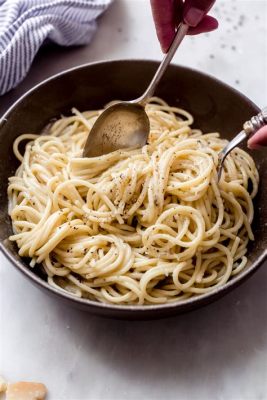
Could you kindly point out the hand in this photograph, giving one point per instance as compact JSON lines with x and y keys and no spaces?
{"x":168,"y":14}
{"x":258,"y":140}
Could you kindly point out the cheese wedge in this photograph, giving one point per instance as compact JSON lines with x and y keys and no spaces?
{"x":25,"y":391}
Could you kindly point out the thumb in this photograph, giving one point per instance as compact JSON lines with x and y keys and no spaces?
{"x":195,"y":11}
{"x":259,"y":139}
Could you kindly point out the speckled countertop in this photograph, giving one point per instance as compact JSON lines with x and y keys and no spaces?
{"x":218,"y":352}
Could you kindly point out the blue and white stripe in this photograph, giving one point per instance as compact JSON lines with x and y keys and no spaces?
{"x":26,"y":24}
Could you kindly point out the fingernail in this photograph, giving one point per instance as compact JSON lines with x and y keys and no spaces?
{"x":194,"y":16}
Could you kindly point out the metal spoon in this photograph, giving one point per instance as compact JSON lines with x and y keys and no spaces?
{"x":249,"y":128}
{"x":126,"y":124}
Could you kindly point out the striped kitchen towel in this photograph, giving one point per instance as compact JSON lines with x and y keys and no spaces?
{"x":26,"y":24}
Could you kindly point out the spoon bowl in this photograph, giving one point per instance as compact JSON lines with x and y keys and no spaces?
{"x":125,"y":124}
{"x":121,"y":125}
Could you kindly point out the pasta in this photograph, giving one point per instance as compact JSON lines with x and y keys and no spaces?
{"x":136,"y":226}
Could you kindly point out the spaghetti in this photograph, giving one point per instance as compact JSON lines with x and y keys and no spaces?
{"x":136,"y":226}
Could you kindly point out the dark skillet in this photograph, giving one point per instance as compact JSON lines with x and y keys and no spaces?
{"x":215,"y":106}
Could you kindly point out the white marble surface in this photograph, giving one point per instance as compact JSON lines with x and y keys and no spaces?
{"x":218,"y":352}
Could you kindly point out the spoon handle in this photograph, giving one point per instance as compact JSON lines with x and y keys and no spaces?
{"x":180,"y":34}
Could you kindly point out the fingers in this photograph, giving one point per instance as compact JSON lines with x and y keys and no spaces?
{"x":195,"y":10}
{"x":164,"y":13}
{"x":258,"y":140}
{"x":178,"y":10}
{"x":167,"y":15}
{"x":207,"y":24}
